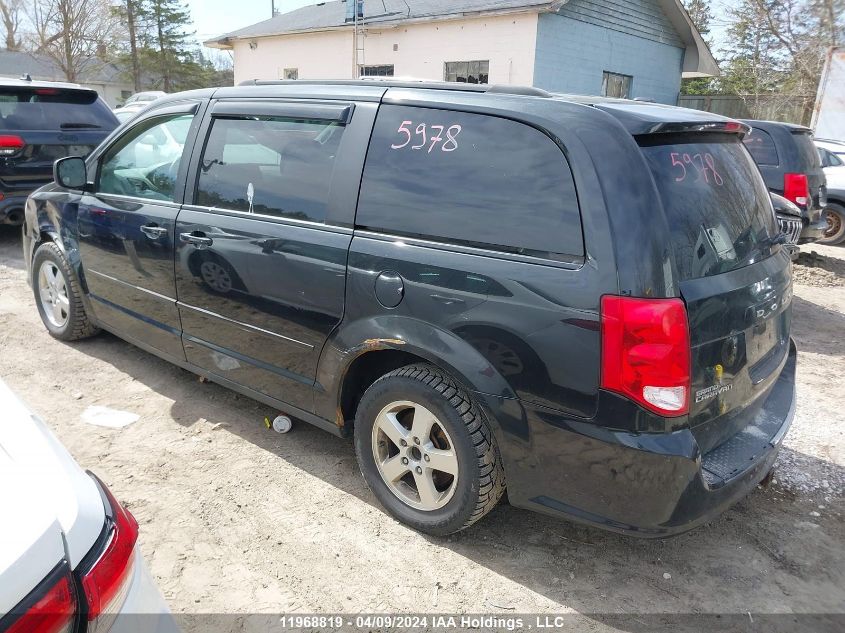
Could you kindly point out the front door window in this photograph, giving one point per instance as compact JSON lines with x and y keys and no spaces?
{"x":145,"y":163}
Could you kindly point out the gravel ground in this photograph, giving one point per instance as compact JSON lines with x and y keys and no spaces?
{"x":238,"y":519}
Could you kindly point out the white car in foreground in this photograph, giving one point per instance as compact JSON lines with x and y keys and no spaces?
{"x":68,"y":555}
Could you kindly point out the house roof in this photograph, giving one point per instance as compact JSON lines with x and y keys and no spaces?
{"x":698,"y":60}
{"x":17,"y":63}
{"x":328,"y":15}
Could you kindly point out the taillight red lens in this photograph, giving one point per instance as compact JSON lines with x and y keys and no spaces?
{"x":796,"y":188}
{"x":53,"y":613}
{"x":646,"y":352}
{"x":106,"y":582}
{"x":10,"y":144}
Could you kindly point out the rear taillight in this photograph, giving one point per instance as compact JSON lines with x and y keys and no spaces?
{"x":54,"y":611}
{"x":796,"y":188}
{"x":10,"y":144}
{"x":106,"y":582}
{"x":646,"y":352}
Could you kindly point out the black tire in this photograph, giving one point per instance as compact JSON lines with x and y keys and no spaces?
{"x":836,"y":223}
{"x":480,"y":481}
{"x":77,"y":325}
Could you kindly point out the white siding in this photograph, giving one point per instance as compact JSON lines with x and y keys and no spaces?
{"x":508,"y":41}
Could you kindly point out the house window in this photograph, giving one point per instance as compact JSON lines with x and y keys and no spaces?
{"x":125,"y":94}
{"x":290,"y":73}
{"x":383,"y":70}
{"x":474,"y":72}
{"x":616,"y":85}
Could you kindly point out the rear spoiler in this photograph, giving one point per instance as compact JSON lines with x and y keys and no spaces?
{"x":647,"y":118}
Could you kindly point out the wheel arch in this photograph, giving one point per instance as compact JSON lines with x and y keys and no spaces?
{"x":362,"y":352}
{"x":51,"y":216}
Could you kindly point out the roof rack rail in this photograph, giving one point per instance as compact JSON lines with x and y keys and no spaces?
{"x":529,"y":91}
{"x":375,"y":82}
{"x":388,"y":82}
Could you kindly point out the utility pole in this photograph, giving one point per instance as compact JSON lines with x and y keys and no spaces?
{"x":272,"y":8}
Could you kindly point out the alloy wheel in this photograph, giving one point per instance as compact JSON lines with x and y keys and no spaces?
{"x":414,"y":455}
{"x":52,"y":291}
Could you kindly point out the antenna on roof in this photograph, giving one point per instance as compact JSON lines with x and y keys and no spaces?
{"x":26,"y":77}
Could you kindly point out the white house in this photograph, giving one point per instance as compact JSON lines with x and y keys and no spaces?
{"x":627,"y":48}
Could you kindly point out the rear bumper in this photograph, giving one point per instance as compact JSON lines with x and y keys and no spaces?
{"x":643,"y":484}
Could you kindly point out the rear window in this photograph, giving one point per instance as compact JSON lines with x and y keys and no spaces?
{"x":469,"y":179}
{"x":762,"y":147}
{"x":53,"y":109}
{"x":717,"y":205}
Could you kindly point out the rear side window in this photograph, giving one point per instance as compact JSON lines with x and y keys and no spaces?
{"x":469,"y":179}
{"x":716,"y":203}
{"x":762,"y":147}
{"x":807,"y":153}
{"x":53,"y":109}
{"x":269,"y":165}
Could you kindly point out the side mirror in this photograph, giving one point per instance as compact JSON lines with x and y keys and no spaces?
{"x":70,"y":172}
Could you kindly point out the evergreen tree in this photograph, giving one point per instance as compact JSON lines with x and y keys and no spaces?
{"x":169,"y":52}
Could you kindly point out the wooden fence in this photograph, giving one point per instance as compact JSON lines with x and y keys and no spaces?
{"x":787,"y":108}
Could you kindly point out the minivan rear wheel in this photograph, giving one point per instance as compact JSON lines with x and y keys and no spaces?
{"x":426,"y":451}
{"x":835,"y":216}
{"x":58,"y":295}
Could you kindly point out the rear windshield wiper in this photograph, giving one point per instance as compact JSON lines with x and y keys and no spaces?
{"x":780,"y":238}
{"x":79,"y":126}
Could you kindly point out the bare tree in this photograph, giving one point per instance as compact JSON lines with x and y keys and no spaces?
{"x":72,"y":32}
{"x":11,"y":12}
{"x":803,"y":29}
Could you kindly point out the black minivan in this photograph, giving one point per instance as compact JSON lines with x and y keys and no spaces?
{"x":585,"y":302}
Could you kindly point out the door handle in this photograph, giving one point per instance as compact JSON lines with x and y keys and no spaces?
{"x":196,"y":238}
{"x":153,"y":231}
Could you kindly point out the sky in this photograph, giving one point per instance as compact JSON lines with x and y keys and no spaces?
{"x":215,"y":17}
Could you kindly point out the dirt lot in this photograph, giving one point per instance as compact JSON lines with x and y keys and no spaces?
{"x":235,"y":518}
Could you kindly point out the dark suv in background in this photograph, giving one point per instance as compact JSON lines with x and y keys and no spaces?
{"x":789,"y":162}
{"x":586,"y":302}
{"x":40,"y":122}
